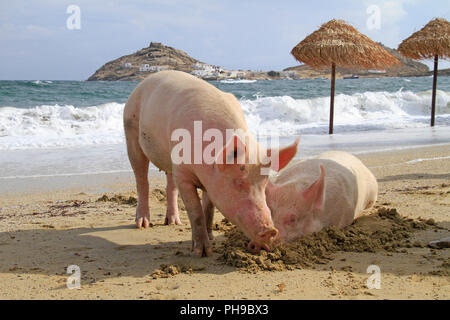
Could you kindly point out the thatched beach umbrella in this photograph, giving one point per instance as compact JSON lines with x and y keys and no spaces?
{"x":432,"y":41}
{"x":339,"y":44}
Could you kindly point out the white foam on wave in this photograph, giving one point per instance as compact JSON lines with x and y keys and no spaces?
{"x":284,"y":115}
{"x":427,"y":159}
{"x":41,"y":82}
{"x":232,"y":81}
{"x":59,"y":126}
{"x":62,"y":126}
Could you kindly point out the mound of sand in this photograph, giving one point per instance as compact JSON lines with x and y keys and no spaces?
{"x":156,"y":195}
{"x":119,"y":199}
{"x":383,"y":230}
{"x":170,"y":270}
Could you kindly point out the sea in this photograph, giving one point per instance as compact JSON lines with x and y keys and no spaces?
{"x":52,"y":128}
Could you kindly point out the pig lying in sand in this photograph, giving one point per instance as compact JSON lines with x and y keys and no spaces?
{"x":173,"y":100}
{"x":332,"y":189}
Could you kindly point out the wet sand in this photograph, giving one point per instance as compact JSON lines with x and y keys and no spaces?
{"x":49,"y":223}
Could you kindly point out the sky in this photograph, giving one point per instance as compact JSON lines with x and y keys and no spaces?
{"x":36,"y":44}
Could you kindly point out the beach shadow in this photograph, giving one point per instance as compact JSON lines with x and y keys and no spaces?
{"x":50,"y":251}
{"x":416,"y":176}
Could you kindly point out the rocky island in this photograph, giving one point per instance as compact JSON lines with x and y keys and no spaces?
{"x":408,"y":68}
{"x":157,"y":57}
{"x":138,"y":65}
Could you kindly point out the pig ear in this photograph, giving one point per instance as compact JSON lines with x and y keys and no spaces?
{"x":314,"y":195}
{"x":232,"y":153}
{"x":284,"y":156}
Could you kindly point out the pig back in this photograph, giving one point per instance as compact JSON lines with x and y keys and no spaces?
{"x":171,"y":100}
{"x":365,"y":182}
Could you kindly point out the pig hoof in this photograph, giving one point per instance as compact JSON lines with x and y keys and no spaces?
{"x":203,"y":250}
{"x":142,"y":222}
{"x":173,"y":220}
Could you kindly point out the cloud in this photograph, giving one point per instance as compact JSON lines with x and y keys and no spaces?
{"x":233,"y":33}
{"x":12,"y":32}
{"x":36,"y":30}
{"x":392,"y":12}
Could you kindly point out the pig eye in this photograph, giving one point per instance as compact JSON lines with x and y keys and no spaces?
{"x":240,"y":184}
{"x":232,"y":157}
{"x":292,"y":218}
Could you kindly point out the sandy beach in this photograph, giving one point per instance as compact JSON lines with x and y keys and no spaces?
{"x":49,"y":223}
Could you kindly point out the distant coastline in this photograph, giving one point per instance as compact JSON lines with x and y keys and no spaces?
{"x":157,"y":57}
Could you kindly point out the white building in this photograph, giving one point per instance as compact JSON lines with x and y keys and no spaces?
{"x":147,"y":67}
{"x":158,"y":68}
{"x":128,"y":65}
{"x":377,"y":71}
{"x":144,"y":67}
{"x":203,"y":70}
{"x":288,"y":74}
{"x":218,"y":69}
{"x":202,"y":66}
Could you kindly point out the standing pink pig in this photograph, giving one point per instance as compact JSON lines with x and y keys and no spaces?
{"x":331,"y":189}
{"x":171,"y":100}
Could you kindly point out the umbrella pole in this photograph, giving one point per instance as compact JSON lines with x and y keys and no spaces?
{"x":433,"y":101}
{"x":333,"y":80}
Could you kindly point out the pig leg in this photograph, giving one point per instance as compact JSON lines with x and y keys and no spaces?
{"x":208,"y":211}
{"x":200,"y":241}
{"x":172,"y":216}
{"x":139,"y":163}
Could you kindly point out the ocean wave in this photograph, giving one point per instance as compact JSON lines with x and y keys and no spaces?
{"x":284,"y":115}
{"x":41,"y":82}
{"x":65,"y":125}
{"x":59,"y":126}
{"x":233,"y":81}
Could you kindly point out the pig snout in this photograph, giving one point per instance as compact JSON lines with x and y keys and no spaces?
{"x":267,"y":235}
{"x":262,"y":240}
{"x":255,"y":247}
